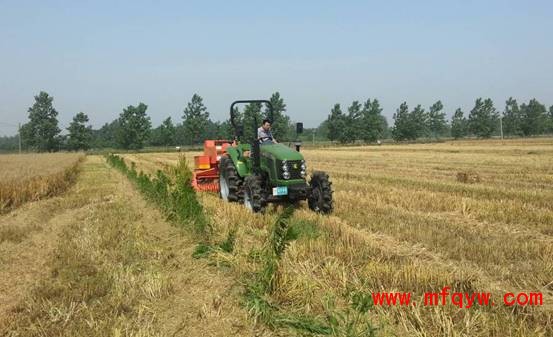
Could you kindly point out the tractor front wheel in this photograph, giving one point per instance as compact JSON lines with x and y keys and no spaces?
{"x":320,"y":198}
{"x":230,"y":184}
{"x":254,"y":198}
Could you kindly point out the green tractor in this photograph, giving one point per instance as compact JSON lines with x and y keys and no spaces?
{"x":257,"y":174}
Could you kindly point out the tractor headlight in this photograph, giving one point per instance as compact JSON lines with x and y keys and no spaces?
{"x":303,"y":166}
{"x":285,"y":166}
{"x":286,"y":175}
{"x":302,"y":173}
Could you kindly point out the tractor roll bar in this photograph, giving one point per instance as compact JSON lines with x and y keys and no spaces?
{"x":248,"y":101}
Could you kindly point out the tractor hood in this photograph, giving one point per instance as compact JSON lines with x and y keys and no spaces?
{"x":280,"y":152}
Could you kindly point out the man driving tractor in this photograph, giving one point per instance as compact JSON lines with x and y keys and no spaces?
{"x":256,"y":170}
{"x":264,"y":134}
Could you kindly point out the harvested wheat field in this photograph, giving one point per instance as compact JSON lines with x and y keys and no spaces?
{"x":476,"y":216}
{"x":101,"y":261}
{"x":122,"y":253}
{"x":30,"y":177}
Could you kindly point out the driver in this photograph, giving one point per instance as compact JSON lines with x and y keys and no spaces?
{"x":264,"y":134}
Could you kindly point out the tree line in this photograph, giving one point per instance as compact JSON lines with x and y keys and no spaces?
{"x":360,"y":122}
{"x":133,"y":128}
{"x":366,"y":123}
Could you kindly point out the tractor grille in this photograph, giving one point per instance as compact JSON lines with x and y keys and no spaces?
{"x":294,"y":169}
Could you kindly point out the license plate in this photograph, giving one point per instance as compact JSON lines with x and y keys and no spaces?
{"x":280,"y":190}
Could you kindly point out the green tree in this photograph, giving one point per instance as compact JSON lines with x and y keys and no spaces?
{"x":403,"y":128}
{"x":9,"y":143}
{"x":458,"y":125}
{"x":353,"y":126}
{"x":27,"y":133}
{"x":512,"y":118}
{"x":165,"y":134}
{"x":483,"y":118}
{"x":195,"y":121}
{"x":373,"y":124}
{"x":534,"y":118}
{"x":550,"y":120}
{"x":180,"y":137}
{"x":42,"y":131}
{"x":321,"y":132}
{"x":225,"y":130}
{"x":419,"y":122}
{"x":281,"y":126}
{"x":436,"y":119}
{"x":133,"y":127}
{"x":106,"y":136}
{"x":251,"y":119}
{"x":80,"y":134}
{"x":336,"y":123}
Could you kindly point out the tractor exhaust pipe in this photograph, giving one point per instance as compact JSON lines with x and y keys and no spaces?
{"x":299,"y":130}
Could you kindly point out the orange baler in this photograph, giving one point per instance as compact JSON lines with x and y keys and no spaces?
{"x":206,"y":166}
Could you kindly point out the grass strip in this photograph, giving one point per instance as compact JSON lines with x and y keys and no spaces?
{"x":175,"y":197}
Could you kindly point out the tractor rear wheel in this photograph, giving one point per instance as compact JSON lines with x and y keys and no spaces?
{"x":254,"y":197}
{"x":320,"y":198}
{"x":230,"y":184}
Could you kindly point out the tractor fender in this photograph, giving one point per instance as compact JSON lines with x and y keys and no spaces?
{"x":240,"y":165}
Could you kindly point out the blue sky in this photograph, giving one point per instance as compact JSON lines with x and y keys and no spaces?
{"x":100,"y":56}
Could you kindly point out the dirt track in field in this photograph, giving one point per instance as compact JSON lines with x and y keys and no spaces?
{"x":30,"y":235}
